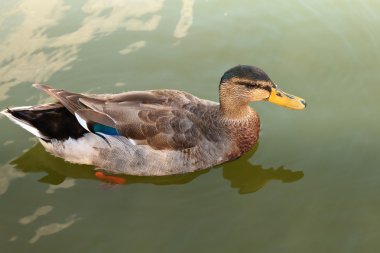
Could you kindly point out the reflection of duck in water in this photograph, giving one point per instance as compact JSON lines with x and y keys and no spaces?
{"x":248,"y":178}
{"x":154,"y":133}
{"x":242,"y":175}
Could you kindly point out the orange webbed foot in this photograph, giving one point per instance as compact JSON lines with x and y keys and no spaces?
{"x":109,"y":179}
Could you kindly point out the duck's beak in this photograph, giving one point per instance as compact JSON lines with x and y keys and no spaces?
{"x":279,"y":97}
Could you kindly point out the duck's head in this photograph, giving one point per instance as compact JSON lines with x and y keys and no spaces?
{"x":243,"y":84}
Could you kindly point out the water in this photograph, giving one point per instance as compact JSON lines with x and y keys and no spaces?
{"x":311,"y":185}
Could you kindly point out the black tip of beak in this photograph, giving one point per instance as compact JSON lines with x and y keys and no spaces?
{"x":303,"y":102}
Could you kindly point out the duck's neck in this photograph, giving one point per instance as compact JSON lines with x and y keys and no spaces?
{"x":236,"y":113}
{"x":233,"y":109}
{"x":242,"y":124}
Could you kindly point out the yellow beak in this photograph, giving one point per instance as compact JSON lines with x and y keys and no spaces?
{"x":279,"y":97}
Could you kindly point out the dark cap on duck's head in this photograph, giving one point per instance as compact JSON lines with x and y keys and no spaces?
{"x":245,"y":72}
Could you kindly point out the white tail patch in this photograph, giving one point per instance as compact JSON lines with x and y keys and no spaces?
{"x":23,"y":123}
{"x":82,"y":150}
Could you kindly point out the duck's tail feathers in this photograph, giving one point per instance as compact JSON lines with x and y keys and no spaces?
{"x":19,"y":115}
{"x":46,"y":121}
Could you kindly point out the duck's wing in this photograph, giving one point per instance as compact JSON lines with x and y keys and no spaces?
{"x":163,"y":119}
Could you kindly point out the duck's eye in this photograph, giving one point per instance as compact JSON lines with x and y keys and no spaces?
{"x":249,"y":86}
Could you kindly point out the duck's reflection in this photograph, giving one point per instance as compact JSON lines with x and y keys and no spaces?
{"x":247,"y":178}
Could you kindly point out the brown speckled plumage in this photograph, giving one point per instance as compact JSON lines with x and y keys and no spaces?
{"x":157,"y":132}
{"x":245,"y":134}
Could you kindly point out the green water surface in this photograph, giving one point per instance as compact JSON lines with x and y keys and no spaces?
{"x":312,"y":183}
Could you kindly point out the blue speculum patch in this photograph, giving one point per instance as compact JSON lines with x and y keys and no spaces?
{"x":99,"y":128}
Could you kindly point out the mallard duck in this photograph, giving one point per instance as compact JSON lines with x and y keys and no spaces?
{"x":155,"y":132}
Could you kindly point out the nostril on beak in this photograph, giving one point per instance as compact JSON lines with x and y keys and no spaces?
{"x":303,"y":102}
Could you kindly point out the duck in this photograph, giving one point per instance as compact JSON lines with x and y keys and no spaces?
{"x":154,"y":132}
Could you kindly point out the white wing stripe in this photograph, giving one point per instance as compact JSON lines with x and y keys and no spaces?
{"x":82,"y":122}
